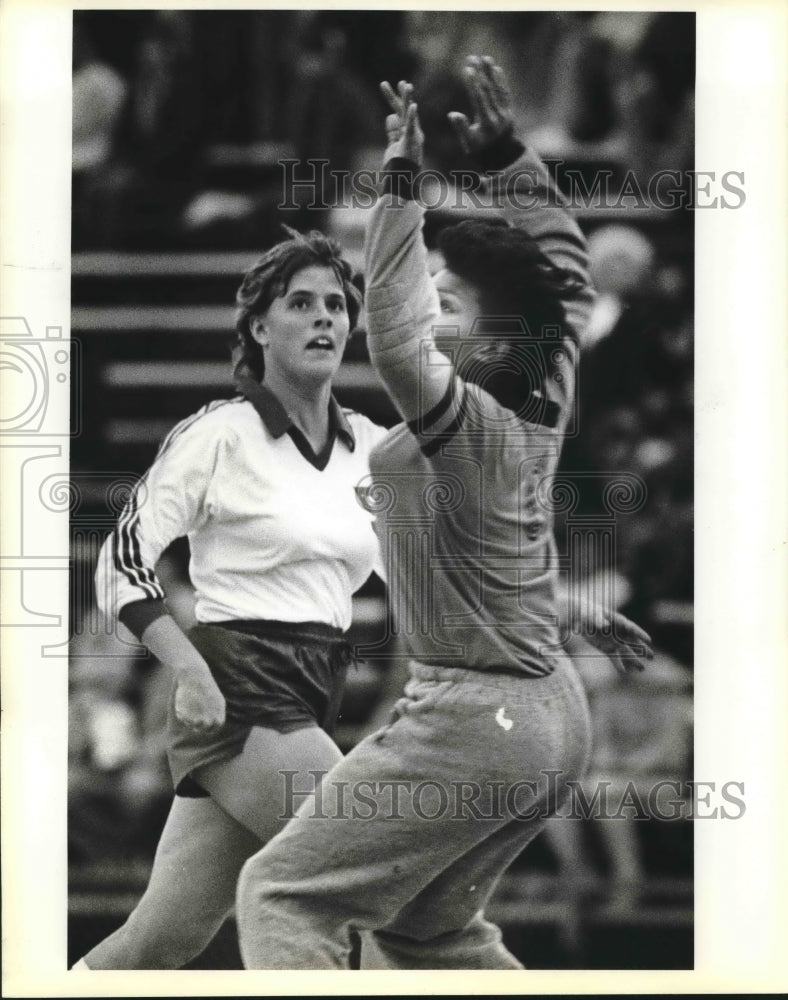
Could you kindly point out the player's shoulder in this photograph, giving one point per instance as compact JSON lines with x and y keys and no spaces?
{"x":366,"y":432}
{"x":211,"y":422}
{"x":397,"y":449}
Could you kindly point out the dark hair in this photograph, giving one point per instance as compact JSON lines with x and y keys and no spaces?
{"x":270,"y":277}
{"x":515,"y":281}
{"x":510,"y":272}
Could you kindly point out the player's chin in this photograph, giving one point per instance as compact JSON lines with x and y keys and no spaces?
{"x":321,"y":366}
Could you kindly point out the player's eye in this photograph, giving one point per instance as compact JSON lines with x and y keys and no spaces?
{"x":336,"y":304}
{"x":446,"y":306}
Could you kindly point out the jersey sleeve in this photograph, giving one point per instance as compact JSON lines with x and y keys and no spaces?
{"x":171,"y":500}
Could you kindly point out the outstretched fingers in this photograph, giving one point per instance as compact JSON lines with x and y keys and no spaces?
{"x":400,"y":99}
{"x":483,"y":86}
{"x":405,"y":90}
{"x":633,"y":635}
{"x":392,"y":99}
{"x":499,"y":84}
{"x":462,"y":129}
{"x":490,"y":99}
{"x":403,"y":130}
{"x":471,"y":75}
{"x":626,"y":644}
{"x":499,"y":88}
{"x":393,"y":127}
{"x":411,"y":120}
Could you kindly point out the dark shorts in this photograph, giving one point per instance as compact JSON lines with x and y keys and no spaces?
{"x":280,"y":675}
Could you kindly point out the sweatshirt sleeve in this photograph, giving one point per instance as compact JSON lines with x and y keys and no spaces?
{"x":171,"y":500}
{"x":518,"y":183}
{"x":402,"y":306}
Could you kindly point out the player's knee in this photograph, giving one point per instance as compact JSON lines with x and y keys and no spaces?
{"x":264,"y":898}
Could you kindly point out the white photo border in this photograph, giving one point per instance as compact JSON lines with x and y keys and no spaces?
{"x":741,"y":685}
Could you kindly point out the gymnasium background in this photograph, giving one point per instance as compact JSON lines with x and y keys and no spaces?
{"x":181,"y":121}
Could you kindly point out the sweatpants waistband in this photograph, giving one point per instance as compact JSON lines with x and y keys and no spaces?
{"x":556,"y":678}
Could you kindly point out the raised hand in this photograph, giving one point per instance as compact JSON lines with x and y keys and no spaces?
{"x":491,"y":101}
{"x":624,"y":642}
{"x":403,"y":131}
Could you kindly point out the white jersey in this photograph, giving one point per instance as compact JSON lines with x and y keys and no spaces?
{"x":275,"y":532}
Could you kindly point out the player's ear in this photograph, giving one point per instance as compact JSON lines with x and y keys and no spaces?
{"x":258,"y":330}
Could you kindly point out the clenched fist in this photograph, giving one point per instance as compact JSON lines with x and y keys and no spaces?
{"x":199,"y":703}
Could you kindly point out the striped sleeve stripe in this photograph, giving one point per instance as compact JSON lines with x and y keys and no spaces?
{"x":436,"y":441}
{"x":127,"y":553}
{"x":146,"y":572}
{"x":422,"y":423}
{"x":127,"y":550}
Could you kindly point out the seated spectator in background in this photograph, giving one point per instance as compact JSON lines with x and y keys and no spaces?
{"x":333,"y":110}
{"x":621,"y":262}
{"x":634,"y":74}
{"x":152,"y":171}
{"x":635,"y":408}
{"x":98,"y":94}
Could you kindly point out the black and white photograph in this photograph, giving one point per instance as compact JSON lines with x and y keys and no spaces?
{"x":371,"y":438}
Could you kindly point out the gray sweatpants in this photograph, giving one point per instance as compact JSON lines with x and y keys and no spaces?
{"x":409,"y":834}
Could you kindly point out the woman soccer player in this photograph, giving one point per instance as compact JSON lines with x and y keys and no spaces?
{"x":420,"y":820}
{"x":264,"y":487}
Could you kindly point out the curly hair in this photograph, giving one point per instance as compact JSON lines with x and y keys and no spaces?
{"x":510,"y":272}
{"x":270,"y":277}
{"x":516,"y":282}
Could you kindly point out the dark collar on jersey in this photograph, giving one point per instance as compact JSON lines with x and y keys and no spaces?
{"x":278,"y":421}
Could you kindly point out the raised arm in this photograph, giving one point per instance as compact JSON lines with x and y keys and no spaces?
{"x":402,"y":305}
{"x":401,"y":301}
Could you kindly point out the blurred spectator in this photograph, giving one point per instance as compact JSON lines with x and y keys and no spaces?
{"x":135,"y":195}
{"x":119,"y":788}
{"x":98,"y":92}
{"x":333,"y":109}
{"x":642,"y":734}
{"x":634,"y":75}
{"x":621,"y":261}
{"x":635,"y":410}
{"x":119,"y":781}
